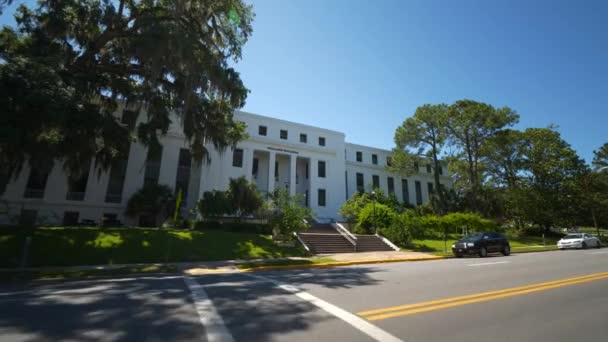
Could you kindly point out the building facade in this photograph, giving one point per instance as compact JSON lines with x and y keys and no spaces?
{"x":314,"y":162}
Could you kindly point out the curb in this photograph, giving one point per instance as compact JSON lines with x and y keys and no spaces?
{"x":335,"y":264}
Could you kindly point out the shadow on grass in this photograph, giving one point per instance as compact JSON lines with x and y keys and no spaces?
{"x":105,"y":246}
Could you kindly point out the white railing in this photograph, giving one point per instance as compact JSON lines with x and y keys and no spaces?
{"x":346,"y":234}
{"x":302,"y":242}
{"x":388,"y":242}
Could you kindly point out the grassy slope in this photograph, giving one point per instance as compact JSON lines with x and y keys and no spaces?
{"x":95,"y":246}
{"x":518,"y":244}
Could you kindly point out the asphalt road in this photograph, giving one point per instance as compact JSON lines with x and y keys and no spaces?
{"x":551,"y":296}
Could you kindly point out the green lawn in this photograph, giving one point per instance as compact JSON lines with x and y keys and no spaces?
{"x":518,"y":244}
{"x":59,"y":246}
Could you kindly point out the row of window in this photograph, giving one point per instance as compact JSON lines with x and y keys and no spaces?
{"x":77,"y":185}
{"x":360,"y":179}
{"x":359,"y":158}
{"x":284,"y":134}
{"x":237,"y":161}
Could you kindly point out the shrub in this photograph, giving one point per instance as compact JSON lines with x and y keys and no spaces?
{"x":243,"y":197}
{"x":214,"y":204}
{"x":400,"y":229}
{"x":289,"y":216}
{"x":378,"y":215}
{"x":153,"y":199}
{"x":240,"y":227}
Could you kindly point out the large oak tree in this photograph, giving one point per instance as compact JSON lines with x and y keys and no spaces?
{"x":70,"y":65}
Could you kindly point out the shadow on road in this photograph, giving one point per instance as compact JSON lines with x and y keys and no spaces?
{"x":99,"y":310}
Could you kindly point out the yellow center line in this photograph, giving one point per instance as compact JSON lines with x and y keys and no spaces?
{"x":409,"y":309}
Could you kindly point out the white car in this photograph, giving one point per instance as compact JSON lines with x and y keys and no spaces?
{"x":578,"y":240}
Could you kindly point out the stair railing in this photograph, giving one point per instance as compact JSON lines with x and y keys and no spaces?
{"x":346,"y":234}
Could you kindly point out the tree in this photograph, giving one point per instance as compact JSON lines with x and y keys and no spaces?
{"x":421,"y":137}
{"x":470,"y":125}
{"x":152,"y":200}
{"x":552,"y":176}
{"x":80,"y":80}
{"x":243,"y":196}
{"x":289,"y":215}
{"x":600,"y":158}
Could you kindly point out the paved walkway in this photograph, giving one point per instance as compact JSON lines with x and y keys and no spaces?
{"x":373,"y":256}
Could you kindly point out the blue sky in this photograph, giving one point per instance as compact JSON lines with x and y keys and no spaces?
{"x":362,"y":67}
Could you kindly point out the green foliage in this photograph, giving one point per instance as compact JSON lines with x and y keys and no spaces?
{"x":351,"y":209}
{"x":155,"y":200}
{"x":402,"y":229}
{"x":289,"y":216}
{"x":244,"y":197}
{"x":374,"y":216}
{"x":420,"y":140}
{"x":600,"y":157}
{"x":214,"y":204}
{"x":240,"y":227}
{"x":70,"y":66}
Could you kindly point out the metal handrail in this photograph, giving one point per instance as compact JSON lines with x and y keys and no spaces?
{"x":346,"y":234}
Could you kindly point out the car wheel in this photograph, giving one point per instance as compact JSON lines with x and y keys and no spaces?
{"x":483,"y":252}
{"x":506,"y":250}
{"x":458,"y":255}
{"x":584,"y":245}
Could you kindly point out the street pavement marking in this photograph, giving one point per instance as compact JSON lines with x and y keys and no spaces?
{"x":211,"y":320}
{"x":355,"y":321}
{"x":490,"y":263}
{"x":409,"y":309}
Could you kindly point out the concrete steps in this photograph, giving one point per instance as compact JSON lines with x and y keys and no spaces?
{"x":324,"y":239}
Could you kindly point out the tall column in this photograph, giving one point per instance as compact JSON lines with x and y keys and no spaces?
{"x":271,"y":161}
{"x":292,"y":174}
{"x":136,"y":168}
{"x":169,"y":160}
{"x":313,"y":184}
{"x":248,"y":163}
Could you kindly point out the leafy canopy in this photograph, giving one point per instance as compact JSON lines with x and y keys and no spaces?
{"x":71,"y":68}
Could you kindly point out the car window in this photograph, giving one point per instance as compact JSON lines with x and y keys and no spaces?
{"x":574,"y":236}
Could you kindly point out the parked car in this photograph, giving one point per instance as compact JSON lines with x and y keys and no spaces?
{"x":579,"y":240}
{"x":481,"y":244}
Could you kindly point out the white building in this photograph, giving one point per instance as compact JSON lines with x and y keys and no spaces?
{"x":315,"y":162}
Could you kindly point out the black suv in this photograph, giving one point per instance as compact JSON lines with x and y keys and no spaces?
{"x":482,"y":244}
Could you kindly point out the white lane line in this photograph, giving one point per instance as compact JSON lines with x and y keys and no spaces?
{"x":213,"y":323}
{"x":354,"y":320}
{"x":489,"y":263}
{"x":604,"y":252}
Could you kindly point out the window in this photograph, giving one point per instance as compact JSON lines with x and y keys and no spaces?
{"x":375,"y":181}
{"x":254,"y":168}
{"x":359,"y":156}
{"x":153,"y":166}
{"x":283,"y":134}
{"x":321,"y":169}
{"x":389,"y":161}
{"x":117,"y":181}
{"x":321,"y":198}
{"x":36,"y":181}
{"x":360,"y":182}
{"x":237,"y":158}
{"x":430,"y":187}
{"x":391,"y":185}
{"x":70,"y":218}
{"x":321,"y":141}
{"x":440,"y":170}
{"x":405,"y":191}
{"x":276,"y":169}
{"x":262,"y":130}
{"x":182,"y":179}
{"x":418,"y":193}
{"x":77,"y":184}
{"x":428,"y":168}
{"x":306,"y":170}
{"x":303,"y":138}
{"x":375,"y":159}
